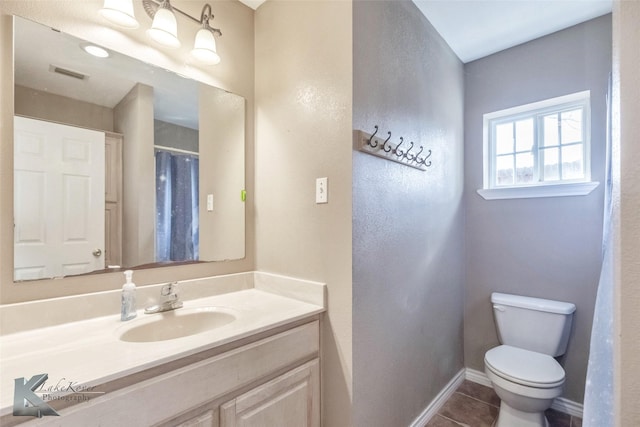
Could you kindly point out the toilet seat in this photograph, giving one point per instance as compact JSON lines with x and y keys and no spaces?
{"x":524,"y":367}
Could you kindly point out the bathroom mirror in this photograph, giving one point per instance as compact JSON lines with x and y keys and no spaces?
{"x":172,"y":167}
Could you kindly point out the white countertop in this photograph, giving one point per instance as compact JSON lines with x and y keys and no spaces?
{"x":89,"y":352}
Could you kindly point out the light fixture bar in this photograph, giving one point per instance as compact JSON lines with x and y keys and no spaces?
{"x":164,"y":26}
{"x":151,"y":6}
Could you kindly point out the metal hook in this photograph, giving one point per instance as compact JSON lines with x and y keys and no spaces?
{"x":384,"y":145}
{"x":397,"y":150}
{"x":370,"y":142}
{"x":424,"y":160}
{"x":407,"y":154}
{"x":416,"y":158}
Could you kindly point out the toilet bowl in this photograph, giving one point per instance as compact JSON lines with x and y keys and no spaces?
{"x":523,"y":370}
{"x":526,"y":383}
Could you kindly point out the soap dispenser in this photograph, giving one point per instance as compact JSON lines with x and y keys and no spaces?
{"x":128,"y":308}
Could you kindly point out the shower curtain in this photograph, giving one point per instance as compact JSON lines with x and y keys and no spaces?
{"x":599,"y":391}
{"x":177,"y":236}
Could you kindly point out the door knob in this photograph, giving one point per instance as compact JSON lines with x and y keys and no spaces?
{"x":97,"y":252}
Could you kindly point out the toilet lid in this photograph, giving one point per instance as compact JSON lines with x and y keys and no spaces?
{"x":524,"y":367}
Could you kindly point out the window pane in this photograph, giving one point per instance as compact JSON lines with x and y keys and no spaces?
{"x":524,"y":135}
{"x":524,"y":168}
{"x":504,"y":138}
{"x":549,"y":159}
{"x":571,"y":126}
{"x":550,"y":133}
{"x":573,"y":162}
{"x":504,"y":170}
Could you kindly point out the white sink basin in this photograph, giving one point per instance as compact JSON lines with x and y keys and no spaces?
{"x":174,"y":324}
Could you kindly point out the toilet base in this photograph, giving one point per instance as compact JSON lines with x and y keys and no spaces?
{"x":510,"y":417}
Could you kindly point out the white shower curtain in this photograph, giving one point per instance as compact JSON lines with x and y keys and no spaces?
{"x":598,"y":401}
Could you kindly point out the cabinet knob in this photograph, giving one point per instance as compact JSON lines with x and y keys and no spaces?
{"x":97,"y":252}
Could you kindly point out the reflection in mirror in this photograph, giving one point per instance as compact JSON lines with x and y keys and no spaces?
{"x":119,"y":163}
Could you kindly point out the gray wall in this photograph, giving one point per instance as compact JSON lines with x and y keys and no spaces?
{"x":174,"y":136}
{"x":408,"y":247}
{"x":545,"y":247}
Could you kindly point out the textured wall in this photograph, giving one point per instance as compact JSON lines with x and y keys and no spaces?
{"x":133,"y":117}
{"x":43,"y":105}
{"x":408,"y":243}
{"x":545,"y":247}
{"x":303,"y":131}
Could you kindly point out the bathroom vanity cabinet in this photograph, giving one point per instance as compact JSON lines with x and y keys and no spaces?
{"x":272,"y":381}
{"x":291,"y":399}
{"x":260,"y":369}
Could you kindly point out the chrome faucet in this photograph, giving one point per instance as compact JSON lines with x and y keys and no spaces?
{"x":169,"y":292}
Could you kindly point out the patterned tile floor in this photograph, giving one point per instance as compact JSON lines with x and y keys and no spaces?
{"x":474,"y":405}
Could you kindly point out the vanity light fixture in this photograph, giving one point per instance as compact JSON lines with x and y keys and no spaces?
{"x":204,"y":47}
{"x":120,"y":12}
{"x":164,"y":27}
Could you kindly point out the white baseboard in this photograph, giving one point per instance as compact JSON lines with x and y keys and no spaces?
{"x":437,"y":403}
{"x":560,"y":404}
{"x":477,"y":377}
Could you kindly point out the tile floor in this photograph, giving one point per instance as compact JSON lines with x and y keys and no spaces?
{"x":474,"y":405}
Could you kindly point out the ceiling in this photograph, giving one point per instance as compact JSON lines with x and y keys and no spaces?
{"x":477,"y":28}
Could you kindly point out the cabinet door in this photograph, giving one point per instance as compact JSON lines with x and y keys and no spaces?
{"x":290,"y":400}
{"x":206,"y":419}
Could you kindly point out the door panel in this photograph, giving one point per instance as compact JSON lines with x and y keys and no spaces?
{"x":58,"y":199}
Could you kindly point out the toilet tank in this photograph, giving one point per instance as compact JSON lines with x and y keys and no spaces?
{"x":534,"y":324}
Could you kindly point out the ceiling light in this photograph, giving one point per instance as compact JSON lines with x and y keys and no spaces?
{"x":164,"y":28}
{"x":119,"y":12}
{"x":94,"y":50}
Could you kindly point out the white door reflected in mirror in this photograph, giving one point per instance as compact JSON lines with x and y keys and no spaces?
{"x":59,"y":225}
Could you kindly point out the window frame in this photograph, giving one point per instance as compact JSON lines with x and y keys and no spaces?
{"x":537,"y":111}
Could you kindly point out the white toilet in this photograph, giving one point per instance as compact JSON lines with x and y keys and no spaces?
{"x":523,"y":370}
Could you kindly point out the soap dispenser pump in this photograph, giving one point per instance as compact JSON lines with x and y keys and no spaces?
{"x":128,"y":308}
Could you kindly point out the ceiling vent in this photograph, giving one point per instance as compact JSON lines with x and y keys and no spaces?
{"x":67,"y":72}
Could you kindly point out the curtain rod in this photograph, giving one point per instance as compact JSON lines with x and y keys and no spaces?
{"x":177,"y":150}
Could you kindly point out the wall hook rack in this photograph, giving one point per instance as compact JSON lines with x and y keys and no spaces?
{"x":400,"y":152}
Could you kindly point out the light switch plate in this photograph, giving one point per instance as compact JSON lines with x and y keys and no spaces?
{"x":322,"y":190}
{"x":209,"y":202}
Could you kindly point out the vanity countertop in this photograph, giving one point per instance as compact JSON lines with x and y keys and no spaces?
{"x":89,"y":352}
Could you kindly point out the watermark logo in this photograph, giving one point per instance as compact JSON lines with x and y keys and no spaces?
{"x":26,"y":401}
{"x":31,"y":397}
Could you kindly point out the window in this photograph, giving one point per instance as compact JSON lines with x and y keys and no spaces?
{"x":542,"y":146}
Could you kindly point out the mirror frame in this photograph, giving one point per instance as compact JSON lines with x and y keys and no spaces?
{"x":73,"y":19}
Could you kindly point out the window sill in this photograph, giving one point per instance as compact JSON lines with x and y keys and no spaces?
{"x":553,"y":190}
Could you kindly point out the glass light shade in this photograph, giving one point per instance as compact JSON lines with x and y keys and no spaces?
{"x":204,"y":48}
{"x":119,"y":12}
{"x":164,"y":28}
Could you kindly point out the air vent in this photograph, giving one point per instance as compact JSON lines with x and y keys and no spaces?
{"x":67,"y":72}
